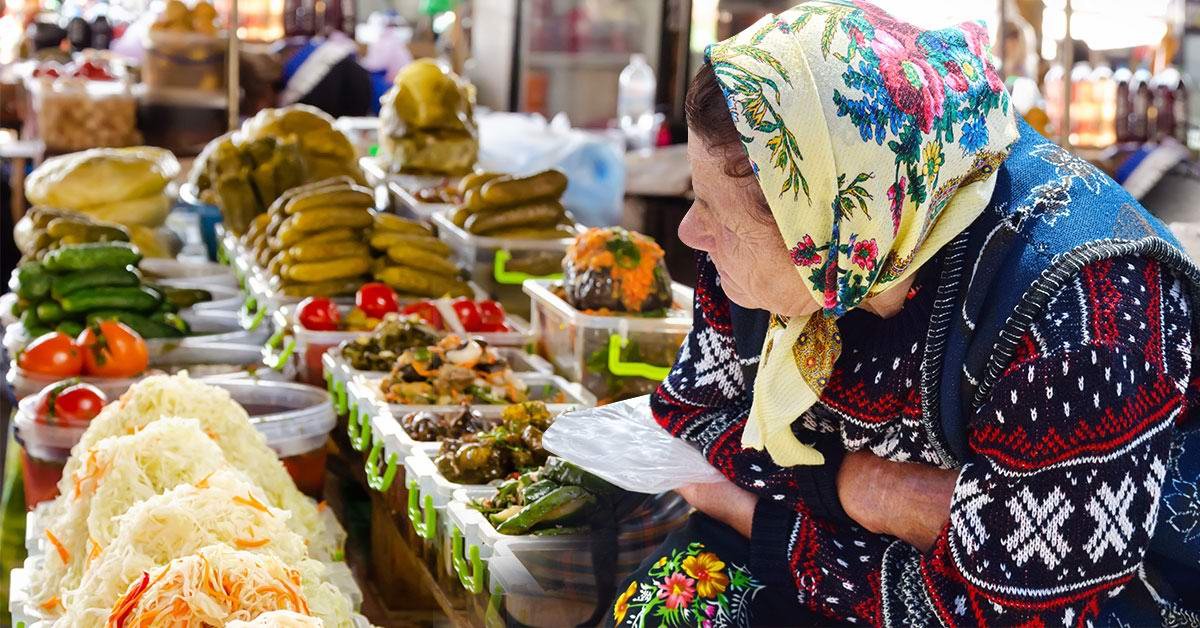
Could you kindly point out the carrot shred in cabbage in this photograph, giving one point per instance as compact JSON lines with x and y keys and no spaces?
{"x":58,"y":546}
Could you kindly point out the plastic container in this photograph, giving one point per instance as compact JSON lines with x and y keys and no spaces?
{"x":45,"y":448}
{"x":198,"y":273}
{"x":44,"y":452}
{"x":614,"y":357}
{"x":337,"y":371}
{"x":501,"y":265}
{"x":185,"y":60}
{"x":201,"y":360}
{"x":71,"y":114}
{"x":550,"y":581}
{"x":296,"y":419}
{"x":402,"y":189}
{"x":367,"y":411}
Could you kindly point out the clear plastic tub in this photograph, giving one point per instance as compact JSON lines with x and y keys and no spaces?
{"x":550,"y":581}
{"x":71,"y":114}
{"x":185,"y":60}
{"x":402,"y":189}
{"x":367,"y":412}
{"x":44,"y":452}
{"x":560,"y":396}
{"x":338,"y":372}
{"x":501,"y":265}
{"x":614,"y":357}
{"x":201,"y":360}
{"x":294,"y":433}
{"x":296,"y":419}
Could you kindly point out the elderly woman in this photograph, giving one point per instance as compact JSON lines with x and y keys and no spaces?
{"x":944,"y":364}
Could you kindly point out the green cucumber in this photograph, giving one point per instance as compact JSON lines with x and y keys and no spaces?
{"x":49,"y":312}
{"x":33,"y":282}
{"x":186,"y":297}
{"x":145,"y":326}
{"x":30,"y":320}
{"x":563,"y":505}
{"x":137,"y":299}
{"x":538,"y":490}
{"x":91,"y":256}
{"x":97,"y":278}
{"x":70,"y":328}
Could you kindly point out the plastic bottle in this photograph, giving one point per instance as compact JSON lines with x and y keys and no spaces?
{"x":1141,"y":114}
{"x":635,"y":102}
{"x":1122,"y":77}
{"x":1104,"y":93}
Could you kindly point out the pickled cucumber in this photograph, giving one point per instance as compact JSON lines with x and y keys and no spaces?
{"x":423,"y":261}
{"x":339,"y":268}
{"x":384,"y":240}
{"x":508,"y":190}
{"x":545,"y":214}
{"x":355,"y":196}
{"x":391,"y":222}
{"x":411,"y":281}
{"x":334,"y":288}
{"x":321,"y":219}
{"x":309,"y":251}
{"x":476,"y":180}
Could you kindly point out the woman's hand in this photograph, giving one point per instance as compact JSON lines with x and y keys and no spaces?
{"x":724,"y":501}
{"x":902,"y":499}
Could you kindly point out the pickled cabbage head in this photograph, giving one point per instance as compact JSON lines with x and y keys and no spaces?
{"x":115,"y":474}
{"x":124,"y":185}
{"x":223,"y":508}
{"x":220,"y":584}
{"x":229,"y":425}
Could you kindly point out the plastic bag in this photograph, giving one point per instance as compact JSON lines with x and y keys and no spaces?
{"x":622,"y":444}
{"x":521,"y":144}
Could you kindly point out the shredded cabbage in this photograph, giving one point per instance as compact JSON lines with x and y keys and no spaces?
{"x":220,"y":584}
{"x":225,"y":508}
{"x":229,"y":425}
{"x":116,"y":474}
{"x":279,"y":619}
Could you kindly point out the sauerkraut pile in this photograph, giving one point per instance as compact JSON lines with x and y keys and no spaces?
{"x":172,"y":511}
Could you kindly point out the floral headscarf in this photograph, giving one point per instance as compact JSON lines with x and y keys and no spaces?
{"x":875,"y":143}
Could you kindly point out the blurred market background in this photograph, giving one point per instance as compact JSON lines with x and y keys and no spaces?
{"x":1108,"y":78}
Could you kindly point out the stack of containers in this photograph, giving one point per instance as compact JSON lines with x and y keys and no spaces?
{"x":420,"y":490}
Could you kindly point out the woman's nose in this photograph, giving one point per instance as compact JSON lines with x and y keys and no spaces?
{"x":693,"y":232}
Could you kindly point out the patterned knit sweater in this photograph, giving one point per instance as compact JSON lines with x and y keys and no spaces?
{"x":1053,"y":513}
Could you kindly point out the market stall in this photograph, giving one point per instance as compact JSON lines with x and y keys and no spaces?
{"x":390,"y":331}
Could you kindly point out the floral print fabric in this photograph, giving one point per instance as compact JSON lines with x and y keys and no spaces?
{"x":915,"y":124}
{"x":689,"y":587}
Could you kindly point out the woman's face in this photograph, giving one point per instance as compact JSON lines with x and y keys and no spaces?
{"x":745,"y":245}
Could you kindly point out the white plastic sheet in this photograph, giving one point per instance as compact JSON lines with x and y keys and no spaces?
{"x":622,"y":444}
